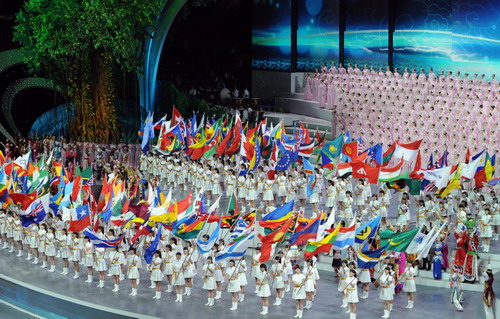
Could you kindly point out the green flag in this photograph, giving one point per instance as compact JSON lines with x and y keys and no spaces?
{"x":334,"y":148}
{"x":397,"y":241}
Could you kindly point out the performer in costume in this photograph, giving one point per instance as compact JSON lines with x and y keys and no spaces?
{"x":115,"y":270}
{"x":167,"y":267}
{"x":470,"y":273}
{"x":242,"y":277}
{"x":387,"y":292}
{"x":75,"y":254}
{"x":278,"y":283}
{"x":133,"y":262}
{"x":456,"y":287}
{"x":437,"y":262}
{"x":100,"y":265}
{"x":178,"y":276}
{"x":88,"y":259}
{"x":488,"y":293}
{"x":343,"y":273}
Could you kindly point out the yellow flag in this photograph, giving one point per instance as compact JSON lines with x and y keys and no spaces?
{"x":454,"y":182}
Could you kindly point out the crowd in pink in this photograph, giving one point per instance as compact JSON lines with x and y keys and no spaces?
{"x":452,"y":112}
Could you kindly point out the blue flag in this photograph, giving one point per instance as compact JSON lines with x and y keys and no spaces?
{"x":148,"y":133}
{"x":376,"y":152}
{"x":150,"y":251}
{"x":368,"y":259}
{"x":206,"y":246}
{"x":288,"y":158}
{"x":311,"y":178}
{"x":368,"y":230}
{"x":334,"y":148}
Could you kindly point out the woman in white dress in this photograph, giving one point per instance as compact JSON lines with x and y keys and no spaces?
{"x":263,"y":290}
{"x":402,"y":213}
{"x":233,"y":287}
{"x":301,"y":184}
{"x":115,"y":270}
{"x":88,"y":259}
{"x":42,"y":235}
{"x":409,"y":287}
{"x":278,"y":283}
{"x":230,"y":183}
{"x":242,"y":191}
{"x":351,"y":291}
{"x":348,"y":206}
{"x":251,"y":191}
{"x":133,"y":262}
{"x":242,"y":277}
{"x":64,"y":250}
{"x":156,"y":275}
{"x":384,"y":203}
{"x":50,"y":248}
{"x":486,"y":229}
{"x":291,"y":188}
{"x":385,"y":293}
{"x":343,"y":273}
{"x":188,"y":267}
{"x":18,"y":235}
{"x":75,"y":254}
{"x":167,"y":267}
{"x":209,"y":280}
{"x":100,"y":265}
{"x":281,"y":180}
{"x":178,"y":276}
{"x":330,"y":194}
{"x":299,"y":292}
{"x":359,"y":191}
{"x":216,"y":189}
{"x":310,"y":283}
{"x":268,"y":192}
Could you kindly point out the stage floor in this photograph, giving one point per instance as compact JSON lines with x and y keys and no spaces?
{"x":430,"y":302}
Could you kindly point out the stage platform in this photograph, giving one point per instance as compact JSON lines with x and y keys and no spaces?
{"x":51,"y":295}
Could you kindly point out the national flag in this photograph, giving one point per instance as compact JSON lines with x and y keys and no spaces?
{"x":287,"y":159}
{"x":334,"y":148}
{"x":327,"y":162}
{"x":272,"y":238}
{"x":367,"y":230}
{"x":494,"y":183}
{"x":386,"y":157}
{"x":363,"y":170}
{"x":367,"y":258}
{"x":36,"y":211}
{"x":420,"y":241}
{"x":232,"y":207}
{"x":257,"y":155}
{"x":102,"y":243}
{"x":345,"y":237}
{"x":387,"y":174}
{"x":323,"y":246}
{"x":351,"y":149}
{"x":440,"y":176}
{"x":279,"y":215}
{"x":308,"y":232}
{"x":407,"y":151}
{"x":273,"y":161}
{"x":24,"y":199}
{"x":469,"y":170}
{"x":344,"y":170}
{"x":454,"y":182}
{"x":311,"y":178}
{"x":236,"y":249}
{"x":205,"y":246}
{"x":397,"y":241}
{"x":149,"y":252}
{"x":376,"y":153}
{"x":241,"y":229}
{"x":148,"y":133}
{"x":80,"y":218}
{"x":56,"y":200}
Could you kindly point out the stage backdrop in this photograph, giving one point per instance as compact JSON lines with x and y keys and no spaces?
{"x":271,"y":37}
{"x":447,"y":35}
{"x":317,"y":33}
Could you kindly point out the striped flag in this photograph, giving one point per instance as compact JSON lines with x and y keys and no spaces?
{"x":102,"y":243}
{"x":367,"y":258}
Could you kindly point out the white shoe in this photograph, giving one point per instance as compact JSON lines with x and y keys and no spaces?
{"x":76,"y":276}
{"x":52,"y":268}
{"x":208,"y":302}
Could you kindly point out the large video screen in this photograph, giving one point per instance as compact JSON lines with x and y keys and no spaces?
{"x":476,"y":37}
{"x":317,"y":34}
{"x":366,"y":39}
{"x":423,"y":35}
{"x":271,"y":34}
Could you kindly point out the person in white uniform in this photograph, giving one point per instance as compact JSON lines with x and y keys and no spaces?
{"x":387,"y":292}
{"x":156,"y":275}
{"x":233,"y":286}
{"x":409,"y":287}
{"x":299,"y":292}
{"x":351,"y":292}
{"x":208,"y":273}
{"x":263,"y":290}
{"x":178,"y":277}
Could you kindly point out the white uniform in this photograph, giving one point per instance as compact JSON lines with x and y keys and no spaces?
{"x":242,"y":269}
{"x":156,"y":274}
{"x":178,"y":279}
{"x":100,"y":263}
{"x":277,"y":271}
{"x":263,"y":289}
{"x":50,"y":247}
{"x":409,"y":280}
{"x":299,"y":292}
{"x":386,"y":293}
{"x":352,"y":290}
{"x":208,"y":277}
{"x":167,"y":268}
{"x":88,"y":259}
{"x":234,"y":283}
{"x":115,"y":260}
{"x":486,"y":231}
{"x":134,"y":263}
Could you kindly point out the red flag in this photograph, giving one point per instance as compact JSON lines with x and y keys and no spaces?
{"x":363,"y":170}
{"x":223,"y":145}
{"x":24,"y":199}
{"x":235,"y":145}
{"x":76,"y":188}
{"x":418,"y":166}
{"x":176,"y":117}
{"x":272,"y":238}
{"x":350,"y":149}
